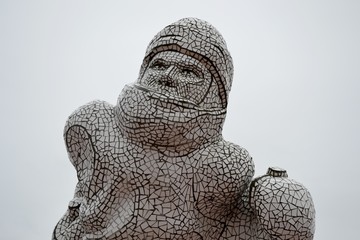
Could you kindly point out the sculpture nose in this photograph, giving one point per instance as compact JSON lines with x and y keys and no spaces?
{"x":168,"y":77}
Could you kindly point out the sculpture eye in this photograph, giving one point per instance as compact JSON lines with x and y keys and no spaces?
{"x":159,"y":65}
{"x":188,"y":72}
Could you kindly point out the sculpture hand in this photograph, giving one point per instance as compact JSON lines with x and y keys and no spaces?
{"x":284,"y":207}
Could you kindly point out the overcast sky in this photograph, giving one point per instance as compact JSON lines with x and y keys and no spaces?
{"x":294,"y":101}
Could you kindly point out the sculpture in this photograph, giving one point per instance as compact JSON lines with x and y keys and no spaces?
{"x":155,"y":166}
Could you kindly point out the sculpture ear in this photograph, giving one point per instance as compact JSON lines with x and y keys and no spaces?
{"x":82,"y":155}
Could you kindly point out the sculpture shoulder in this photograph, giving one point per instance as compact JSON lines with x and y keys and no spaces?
{"x":83,"y":132}
{"x":230,"y":152}
{"x":94,"y":115}
{"x":92,"y":125}
{"x":233,"y":159}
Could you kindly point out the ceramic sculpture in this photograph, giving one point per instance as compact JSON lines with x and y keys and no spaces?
{"x":155,"y":165}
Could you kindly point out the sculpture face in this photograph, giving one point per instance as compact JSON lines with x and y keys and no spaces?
{"x":177,"y":75}
{"x":198,"y":40}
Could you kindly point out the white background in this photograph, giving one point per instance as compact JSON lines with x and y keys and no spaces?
{"x":294,"y":102}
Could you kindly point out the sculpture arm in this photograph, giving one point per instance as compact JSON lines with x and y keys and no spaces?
{"x":81,"y":154}
{"x":84,"y":134}
{"x":85,"y":138}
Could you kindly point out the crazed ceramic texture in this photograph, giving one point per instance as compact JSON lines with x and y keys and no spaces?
{"x":155,"y":166}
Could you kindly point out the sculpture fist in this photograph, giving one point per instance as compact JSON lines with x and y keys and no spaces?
{"x":284,"y":207}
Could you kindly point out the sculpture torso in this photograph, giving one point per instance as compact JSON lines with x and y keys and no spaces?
{"x":143,"y":194}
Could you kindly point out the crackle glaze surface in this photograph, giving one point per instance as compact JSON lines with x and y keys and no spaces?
{"x":155,"y":165}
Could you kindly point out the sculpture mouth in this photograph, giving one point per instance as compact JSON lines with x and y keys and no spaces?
{"x":164,"y":100}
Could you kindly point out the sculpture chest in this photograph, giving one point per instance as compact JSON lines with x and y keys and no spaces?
{"x":173,"y":195}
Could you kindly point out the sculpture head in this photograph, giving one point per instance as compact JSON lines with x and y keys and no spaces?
{"x":179,"y":100}
{"x":195,"y":39}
